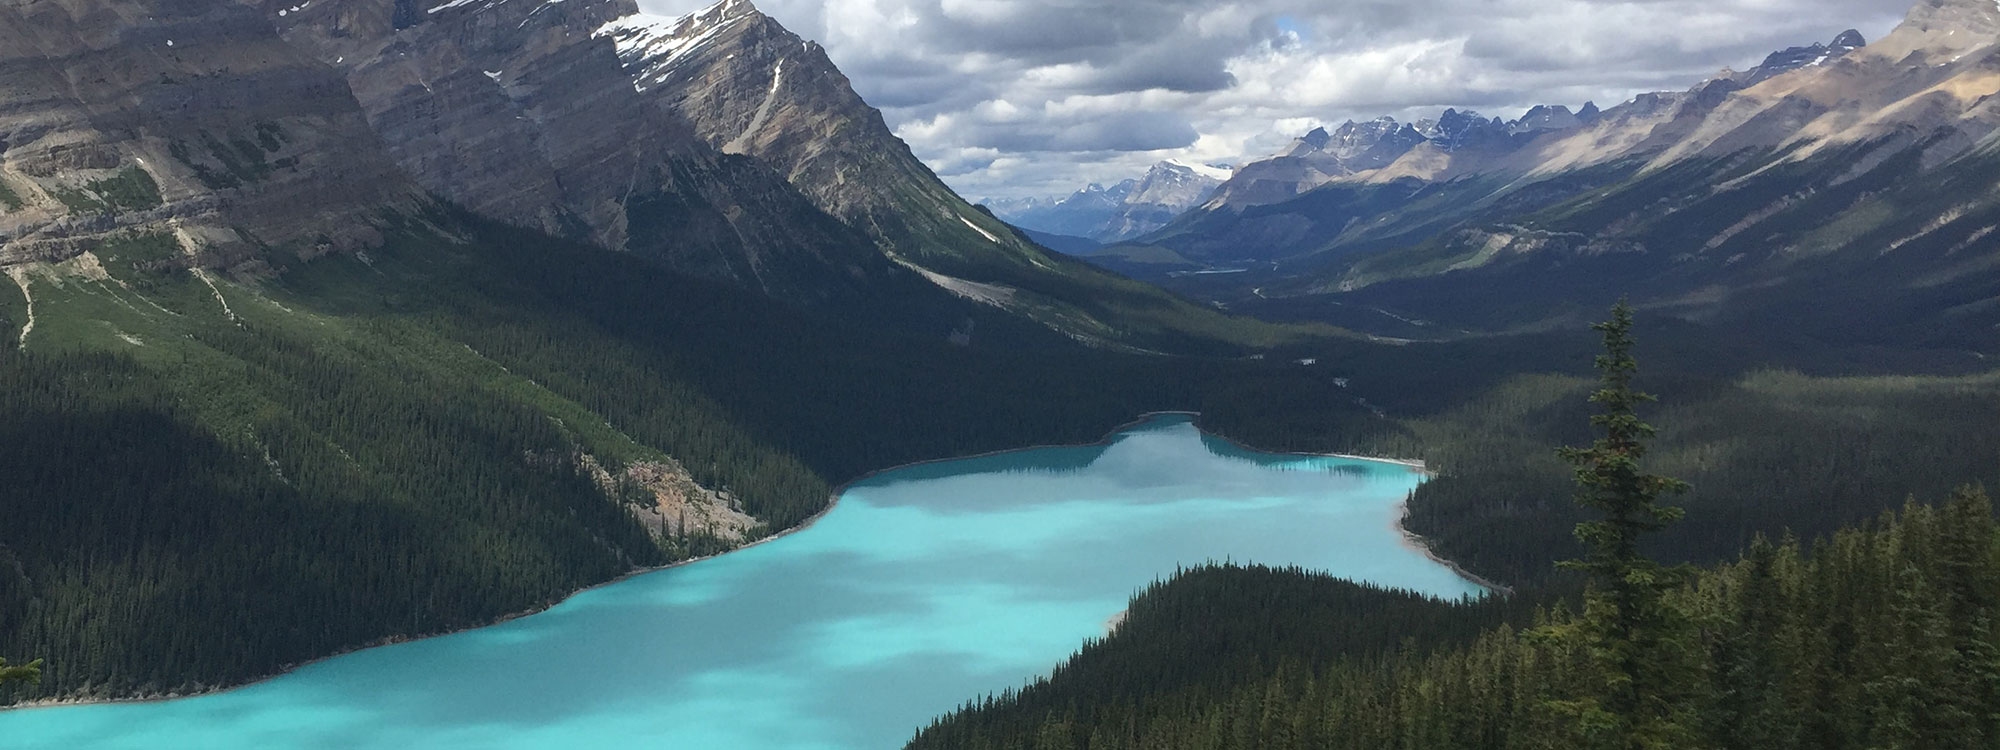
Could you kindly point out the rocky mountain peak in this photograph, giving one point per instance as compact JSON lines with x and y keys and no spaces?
{"x":1353,"y":139}
{"x":748,"y":86}
{"x":1939,"y":31}
{"x":1848,"y":41}
{"x":653,"y":47}
{"x":1793,"y":58}
{"x":1177,"y":183}
{"x":1180,"y":170}
{"x":1457,"y":129}
{"x":1308,"y":143}
{"x":1545,"y":117}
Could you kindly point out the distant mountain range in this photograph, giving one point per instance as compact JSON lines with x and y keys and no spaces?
{"x":1120,"y":212}
{"x":1835,"y":185}
{"x":1382,"y":148}
{"x":1456,"y":141}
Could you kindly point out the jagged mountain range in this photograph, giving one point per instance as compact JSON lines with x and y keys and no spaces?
{"x":1122,"y":211}
{"x":1768,"y":190}
{"x":1384,"y":149}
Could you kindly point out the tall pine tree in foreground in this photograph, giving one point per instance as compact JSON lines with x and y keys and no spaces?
{"x":1633,"y":634}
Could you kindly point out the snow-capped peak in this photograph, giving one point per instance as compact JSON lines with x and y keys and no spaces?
{"x":1206,"y":170}
{"x":660,"y":42}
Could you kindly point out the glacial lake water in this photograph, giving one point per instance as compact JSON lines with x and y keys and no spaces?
{"x":924,"y":587}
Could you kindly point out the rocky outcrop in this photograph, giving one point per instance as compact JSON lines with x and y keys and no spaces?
{"x":191,"y":119}
{"x":665,"y":499}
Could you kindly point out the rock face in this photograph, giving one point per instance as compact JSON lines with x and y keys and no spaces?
{"x":1128,"y":209}
{"x":749,"y":86}
{"x":126,"y":118}
{"x":515,"y":110}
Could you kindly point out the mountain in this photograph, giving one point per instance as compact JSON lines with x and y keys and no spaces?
{"x":1851,"y":193}
{"x":1455,"y":142}
{"x":1793,"y":58}
{"x":1128,"y":209}
{"x":746,"y":85}
{"x":1083,"y":213}
{"x":515,"y":110}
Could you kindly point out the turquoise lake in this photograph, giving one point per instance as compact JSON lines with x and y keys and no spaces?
{"x":924,"y":587}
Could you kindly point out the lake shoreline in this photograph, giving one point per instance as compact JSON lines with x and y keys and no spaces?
{"x":1422,"y":544}
{"x":1413,"y":540}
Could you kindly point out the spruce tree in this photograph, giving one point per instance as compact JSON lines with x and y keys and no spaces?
{"x":1631,"y":631}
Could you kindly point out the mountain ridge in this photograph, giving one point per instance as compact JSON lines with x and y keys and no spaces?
{"x":1698,"y":202}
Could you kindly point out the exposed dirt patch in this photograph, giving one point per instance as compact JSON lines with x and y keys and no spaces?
{"x":668,"y":502}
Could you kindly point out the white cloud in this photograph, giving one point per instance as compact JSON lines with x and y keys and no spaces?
{"x":1030,"y":97}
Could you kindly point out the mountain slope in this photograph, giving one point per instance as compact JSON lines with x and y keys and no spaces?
{"x":513,"y":110}
{"x":747,"y":85}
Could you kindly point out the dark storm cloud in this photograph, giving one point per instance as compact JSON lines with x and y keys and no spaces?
{"x":1010,"y":97}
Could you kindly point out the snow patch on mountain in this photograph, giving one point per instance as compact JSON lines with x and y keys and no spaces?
{"x":656,"y":44}
{"x":1212,"y":171}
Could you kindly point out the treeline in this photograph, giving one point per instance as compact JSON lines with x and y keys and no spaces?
{"x":1877,"y":637}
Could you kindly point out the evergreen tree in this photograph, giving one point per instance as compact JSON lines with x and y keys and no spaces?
{"x":1630,"y":629}
{"x":29,"y":672}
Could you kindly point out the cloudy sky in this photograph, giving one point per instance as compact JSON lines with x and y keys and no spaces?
{"x":1010,"y":98}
